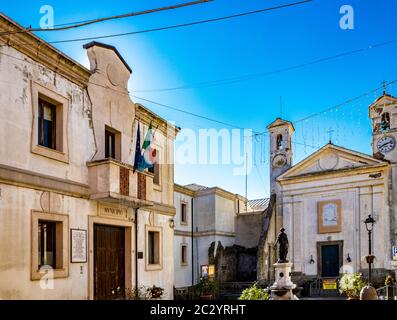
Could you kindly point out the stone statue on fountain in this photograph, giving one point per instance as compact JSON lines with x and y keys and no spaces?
{"x":283,"y":288}
{"x":282,"y":242}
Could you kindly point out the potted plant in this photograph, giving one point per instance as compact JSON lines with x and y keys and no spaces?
{"x":140,"y":293}
{"x":207,"y":288}
{"x":144,"y":293}
{"x":351,"y":284}
{"x":254,"y":293}
{"x":156,"y":292}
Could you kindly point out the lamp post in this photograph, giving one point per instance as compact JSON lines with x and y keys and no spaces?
{"x":369,"y":292}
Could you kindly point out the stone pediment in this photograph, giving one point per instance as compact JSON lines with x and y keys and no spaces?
{"x":382,"y":103}
{"x":330,"y":158}
{"x":280,"y":122}
{"x":385,"y":99}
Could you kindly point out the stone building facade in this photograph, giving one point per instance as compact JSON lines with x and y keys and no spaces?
{"x":76,"y":221}
{"x":213,"y":226}
{"x":323,"y":200}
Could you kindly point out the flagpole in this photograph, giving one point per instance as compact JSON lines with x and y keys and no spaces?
{"x":246,"y":180}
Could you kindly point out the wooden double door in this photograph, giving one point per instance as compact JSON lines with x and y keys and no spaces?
{"x":109,"y":262}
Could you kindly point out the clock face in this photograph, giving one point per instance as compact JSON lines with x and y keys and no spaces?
{"x":386,"y":144}
{"x":279,"y":161}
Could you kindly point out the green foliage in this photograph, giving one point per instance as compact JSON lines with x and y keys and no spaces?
{"x":351,"y":284}
{"x":206,"y":286}
{"x":254,"y":293}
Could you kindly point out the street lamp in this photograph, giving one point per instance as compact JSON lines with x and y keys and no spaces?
{"x":369,"y":292}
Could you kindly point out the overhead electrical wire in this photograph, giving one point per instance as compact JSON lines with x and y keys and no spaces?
{"x":255,"y":133}
{"x":188,"y":112}
{"x":188,"y":24}
{"x":117,"y":17}
{"x":177,"y":25}
{"x":247,"y":77}
{"x":334,"y":107}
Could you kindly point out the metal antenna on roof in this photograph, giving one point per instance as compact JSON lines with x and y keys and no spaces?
{"x":384,"y":84}
{"x":246,"y":181}
{"x":281,"y":107}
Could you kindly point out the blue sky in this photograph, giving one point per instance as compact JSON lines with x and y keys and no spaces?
{"x":257,"y":43}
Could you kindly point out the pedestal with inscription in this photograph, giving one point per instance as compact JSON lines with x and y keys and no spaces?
{"x":283,"y":288}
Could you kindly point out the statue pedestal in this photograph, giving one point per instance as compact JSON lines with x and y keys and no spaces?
{"x":283,"y":287}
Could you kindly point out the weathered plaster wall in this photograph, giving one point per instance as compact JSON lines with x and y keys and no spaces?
{"x":183,"y":230}
{"x":17,"y":77}
{"x":16,"y":204}
{"x":225,"y":214}
{"x":248,"y":229}
{"x":204,"y":207}
{"x":183,"y":273}
{"x":164,"y":276}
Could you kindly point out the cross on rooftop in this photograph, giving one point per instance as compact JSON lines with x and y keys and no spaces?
{"x":330,"y":131}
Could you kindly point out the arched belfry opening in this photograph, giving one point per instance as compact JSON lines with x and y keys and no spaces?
{"x":385,"y":121}
{"x":280,"y":142}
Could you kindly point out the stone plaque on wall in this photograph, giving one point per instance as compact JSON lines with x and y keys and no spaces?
{"x":114,"y":212}
{"x":78,"y":247}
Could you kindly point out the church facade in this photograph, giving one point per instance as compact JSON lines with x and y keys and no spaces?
{"x":323,"y":200}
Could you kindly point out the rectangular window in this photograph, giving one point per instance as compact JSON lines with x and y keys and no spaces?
{"x":50,"y":243}
{"x":110,"y":144}
{"x":153,"y":247}
{"x":47,"y":124}
{"x":47,"y":244}
{"x":184,"y":254}
{"x":183,"y":213}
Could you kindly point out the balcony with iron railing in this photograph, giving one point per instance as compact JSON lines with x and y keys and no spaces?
{"x":115,"y":182}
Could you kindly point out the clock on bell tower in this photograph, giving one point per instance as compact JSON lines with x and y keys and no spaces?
{"x":383,"y":114}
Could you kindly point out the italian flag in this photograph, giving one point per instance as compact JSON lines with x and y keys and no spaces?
{"x":148,"y":152}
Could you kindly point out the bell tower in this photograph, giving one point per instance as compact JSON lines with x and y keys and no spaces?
{"x":383,"y":114}
{"x":280,"y":132}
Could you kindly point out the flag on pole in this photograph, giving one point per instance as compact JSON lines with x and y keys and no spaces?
{"x":145,"y":157}
{"x":137,"y":149}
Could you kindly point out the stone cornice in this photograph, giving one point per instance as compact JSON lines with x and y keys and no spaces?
{"x":204,"y":233}
{"x":25,"y":178}
{"x":162,"y":208}
{"x":217,"y":191}
{"x":184,"y":190}
{"x":321,"y":175}
{"x":147,"y":117}
{"x":42,"y":52}
{"x":182,"y":233}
